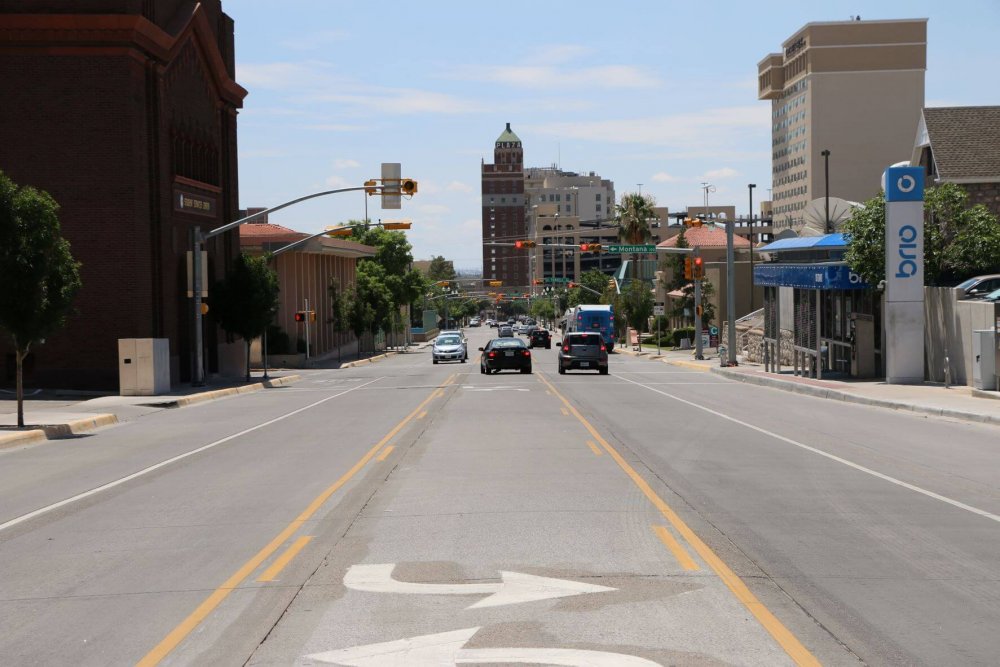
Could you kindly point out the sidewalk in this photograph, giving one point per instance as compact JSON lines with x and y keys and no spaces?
{"x":52,"y":414}
{"x":963,"y":403}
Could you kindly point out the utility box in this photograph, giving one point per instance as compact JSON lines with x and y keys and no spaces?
{"x":984,"y":355}
{"x":143,"y":366}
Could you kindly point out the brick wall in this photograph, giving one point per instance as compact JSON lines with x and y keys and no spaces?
{"x":90,"y":123}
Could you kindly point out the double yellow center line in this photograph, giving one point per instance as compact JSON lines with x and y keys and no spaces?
{"x":789,"y":642}
{"x":209,"y":604}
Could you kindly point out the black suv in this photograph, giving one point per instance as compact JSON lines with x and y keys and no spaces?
{"x":584,"y":350}
{"x":539,"y":338}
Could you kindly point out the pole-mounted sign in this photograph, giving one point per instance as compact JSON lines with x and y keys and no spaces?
{"x":904,"y":274}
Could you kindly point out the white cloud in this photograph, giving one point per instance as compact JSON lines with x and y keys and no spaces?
{"x":402,"y":101}
{"x":703,"y":131}
{"x":315,"y":40}
{"x":337,"y":182}
{"x":551,"y":77}
{"x":433,"y":209}
{"x":664,"y":177}
{"x":725,"y":172}
{"x":559,"y":53}
{"x":458,"y":186}
{"x":343,"y":163}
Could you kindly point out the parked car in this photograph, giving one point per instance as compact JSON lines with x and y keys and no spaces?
{"x":506,"y":332}
{"x":979,"y":286}
{"x":540,"y":338}
{"x":449,"y":347}
{"x":583,"y":350}
{"x":992,"y":296}
{"x":505,"y":353}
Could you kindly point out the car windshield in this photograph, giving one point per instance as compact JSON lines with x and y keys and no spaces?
{"x":993,"y":296}
{"x":449,"y":340}
{"x":966,"y":284}
{"x":509,"y":342}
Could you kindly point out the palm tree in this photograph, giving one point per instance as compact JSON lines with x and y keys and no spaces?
{"x":632,"y":215}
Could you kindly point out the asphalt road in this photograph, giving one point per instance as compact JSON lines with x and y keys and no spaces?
{"x":405,"y":513}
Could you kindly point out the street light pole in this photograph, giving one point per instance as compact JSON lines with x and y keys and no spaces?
{"x":750,"y":187}
{"x":826,"y":177}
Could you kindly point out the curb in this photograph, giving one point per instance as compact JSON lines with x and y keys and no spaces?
{"x":704,"y":368}
{"x":55,"y":431}
{"x":837,"y":395}
{"x":982,"y":393}
{"x":183,"y":401}
{"x":369,"y":360}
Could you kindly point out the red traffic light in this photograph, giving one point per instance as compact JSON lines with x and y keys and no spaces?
{"x":300,"y":316}
{"x":584,"y":247}
{"x":518,"y":244}
{"x":572,"y":285}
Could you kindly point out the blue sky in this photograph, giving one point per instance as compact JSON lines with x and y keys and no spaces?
{"x":657,"y":93}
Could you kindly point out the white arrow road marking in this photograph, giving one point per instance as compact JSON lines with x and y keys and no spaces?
{"x":501,"y":387}
{"x":514,"y":588}
{"x":445,"y":649}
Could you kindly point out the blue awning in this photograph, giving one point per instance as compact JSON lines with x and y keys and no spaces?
{"x":808,"y":276}
{"x":825,"y":242}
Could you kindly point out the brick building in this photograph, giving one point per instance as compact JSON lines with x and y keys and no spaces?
{"x":504,"y":210}
{"x":125,"y":111}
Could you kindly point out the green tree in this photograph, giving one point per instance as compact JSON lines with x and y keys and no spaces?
{"x":637,"y":305}
{"x":40,"y":278}
{"x":441,"y":269}
{"x":959,"y":241}
{"x":596,"y":280}
{"x":369,"y":302}
{"x":338,"y":310}
{"x":633,"y":215}
{"x":542,"y":309}
{"x":246,"y":301}
{"x":684,"y":307}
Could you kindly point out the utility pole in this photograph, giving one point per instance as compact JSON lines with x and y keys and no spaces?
{"x":698,"y":351}
{"x":750,"y":187}
{"x":730,"y":293}
{"x":826,"y":177}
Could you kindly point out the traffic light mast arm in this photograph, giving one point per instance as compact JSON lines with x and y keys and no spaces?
{"x":589,"y":289}
{"x":325,"y":232}
{"x":259,"y":214}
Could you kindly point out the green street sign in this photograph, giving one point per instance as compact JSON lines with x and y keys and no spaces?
{"x":557,"y":280}
{"x":629,"y":249}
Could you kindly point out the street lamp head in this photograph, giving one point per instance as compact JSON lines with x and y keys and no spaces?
{"x":751,"y":185}
{"x":825,"y":153}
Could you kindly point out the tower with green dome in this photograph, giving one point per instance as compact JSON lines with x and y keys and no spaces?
{"x":504,"y":214}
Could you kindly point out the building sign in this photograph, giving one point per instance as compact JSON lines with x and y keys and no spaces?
{"x":191,"y":203}
{"x":904,"y":274}
{"x":799,"y":44}
{"x":808,"y":276}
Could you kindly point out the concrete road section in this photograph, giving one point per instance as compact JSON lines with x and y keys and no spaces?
{"x":404,"y":513}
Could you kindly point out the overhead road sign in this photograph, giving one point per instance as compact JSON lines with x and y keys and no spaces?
{"x":619,"y":249}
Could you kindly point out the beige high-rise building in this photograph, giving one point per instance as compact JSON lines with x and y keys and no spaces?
{"x":853,"y":88}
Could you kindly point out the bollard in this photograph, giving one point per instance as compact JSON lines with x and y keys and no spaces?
{"x":947,"y":371}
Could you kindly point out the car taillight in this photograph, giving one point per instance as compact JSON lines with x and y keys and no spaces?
{"x":603,"y":349}
{"x":492,"y":354}
{"x":527,"y":353}
{"x":565,"y":348}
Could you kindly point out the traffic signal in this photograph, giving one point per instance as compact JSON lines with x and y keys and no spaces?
{"x":693,"y":222}
{"x":300,"y":316}
{"x":396,"y":225}
{"x":521,"y":245}
{"x":537,"y":281}
{"x":699,"y":310}
{"x":590,"y":247}
{"x":699,"y":268}
{"x":442,"y":283}
{"x":688,"y":268}
{"x":408,"y":186}
{"x":496,"y":283}
{"x":339,"y":231}
{"x":572,"y":285}
{"x":370,"y":187}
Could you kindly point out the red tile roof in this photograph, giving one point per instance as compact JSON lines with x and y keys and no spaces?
{"x":706,"y":236}
{"x":256,"y":233}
